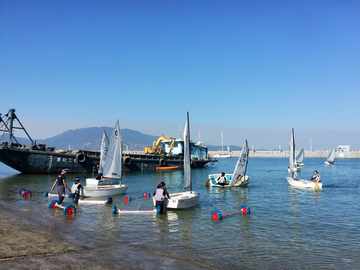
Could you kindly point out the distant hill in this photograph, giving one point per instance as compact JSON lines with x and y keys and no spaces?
{"x":90,"y":139}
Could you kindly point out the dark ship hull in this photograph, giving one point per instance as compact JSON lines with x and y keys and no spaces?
{"x":39,"y":159}
{"x":47,"y":162}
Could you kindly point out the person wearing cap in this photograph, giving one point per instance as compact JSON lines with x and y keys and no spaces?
{"x":75,"y":189}
{"x":60,"y":181}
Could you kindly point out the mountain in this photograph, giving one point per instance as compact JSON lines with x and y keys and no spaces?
{"x":90,"y":139}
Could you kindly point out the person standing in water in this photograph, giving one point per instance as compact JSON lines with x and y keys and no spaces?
{"x":75,"y":189}
{"x":160,"y":195}
{"x":60,"y":181}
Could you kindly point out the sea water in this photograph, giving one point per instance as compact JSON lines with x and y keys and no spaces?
{"x":288,"y":227}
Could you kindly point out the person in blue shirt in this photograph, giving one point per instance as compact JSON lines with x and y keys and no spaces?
{"x":60,"y":181}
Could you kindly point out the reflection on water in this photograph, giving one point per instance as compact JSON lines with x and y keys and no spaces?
{"x":287,"y":228}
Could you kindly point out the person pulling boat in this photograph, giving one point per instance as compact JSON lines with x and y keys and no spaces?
{"x":160,"y":195}
{"x":60,"y":180}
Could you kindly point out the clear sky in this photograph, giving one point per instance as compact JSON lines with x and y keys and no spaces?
{"x":252,"y":69}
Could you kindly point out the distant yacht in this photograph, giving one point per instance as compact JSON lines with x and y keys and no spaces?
{"x":222,"y":155}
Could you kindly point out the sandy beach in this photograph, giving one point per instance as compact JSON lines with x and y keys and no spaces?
{"x":31,"y":241}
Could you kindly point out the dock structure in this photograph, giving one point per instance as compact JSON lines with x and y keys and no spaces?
{"x":285,"y":154}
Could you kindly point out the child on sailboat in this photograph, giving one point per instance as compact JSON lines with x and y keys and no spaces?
{"x":316,"y":177}
{"x":160,"y":195}
{"x":221,"y":180}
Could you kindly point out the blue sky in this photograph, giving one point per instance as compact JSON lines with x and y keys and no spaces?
{"x":252,"y":69}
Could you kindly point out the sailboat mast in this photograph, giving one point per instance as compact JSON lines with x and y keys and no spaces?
{"x":222,"y":142}
{"x":188,"y":140}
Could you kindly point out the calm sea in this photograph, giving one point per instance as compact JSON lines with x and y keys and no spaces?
{"x":287,"y":228}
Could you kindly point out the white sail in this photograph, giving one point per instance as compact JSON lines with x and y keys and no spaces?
{"x":187,"y":164}
{"x":240,"y":168}
{"x":331,"y":156}
{"x":292,"y":153}
{"x":103,"y":151}
{"x":113,"y":164}
{"x":300,"y":156}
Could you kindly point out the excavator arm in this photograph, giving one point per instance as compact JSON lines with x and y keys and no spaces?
{"x":156,"y":149}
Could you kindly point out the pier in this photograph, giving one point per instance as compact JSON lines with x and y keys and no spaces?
{"x":285,"y":154}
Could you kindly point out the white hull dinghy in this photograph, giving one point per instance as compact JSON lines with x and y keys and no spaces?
{"x":110,"y":167}
{"x":189,"y":198}
{"x":303,"y":183}
{"x":239,"y":177}
{"x":243,"y":182}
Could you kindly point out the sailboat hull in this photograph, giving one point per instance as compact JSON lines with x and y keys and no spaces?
{"x":330,"y":163}
{"x":242,"y":183}
{"x":182,"y":200}
{"x":104,"y":190}
{"x":300,"y":183}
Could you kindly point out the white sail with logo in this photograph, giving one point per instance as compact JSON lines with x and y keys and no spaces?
{"x":113,"y":164}
{"x":103,"y":151}
{"x":187,"y":161}
{"x":240,"y":168}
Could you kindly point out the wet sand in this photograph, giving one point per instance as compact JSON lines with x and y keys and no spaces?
{"x":32,"y":241}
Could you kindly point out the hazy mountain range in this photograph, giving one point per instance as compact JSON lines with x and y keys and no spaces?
{"x":90,"y":139}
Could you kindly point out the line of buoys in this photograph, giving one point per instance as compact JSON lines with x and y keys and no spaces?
{"x":67,"y":210}
{"x":24,"y":193}
{"x":118,"y":211}
{"x":109,"y":200}
{"x":244,"y":209}
{"x":145,"y":195}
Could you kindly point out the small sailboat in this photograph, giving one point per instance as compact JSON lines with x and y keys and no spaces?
{"x":300,"y":158}
{"x":110,"y":167}
{"x":331,"y":158}
{"x":239,"y":177}
{"x":294,"y":181}
{"x":188,"y":198}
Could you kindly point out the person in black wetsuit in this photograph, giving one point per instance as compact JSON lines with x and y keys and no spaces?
{"x":160,"y":195}
{"x":60,"y":180}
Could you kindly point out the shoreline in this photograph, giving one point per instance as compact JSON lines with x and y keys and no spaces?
{"x":32,"y":241}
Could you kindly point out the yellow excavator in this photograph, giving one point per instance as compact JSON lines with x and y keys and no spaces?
{"x":156,"y":150}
